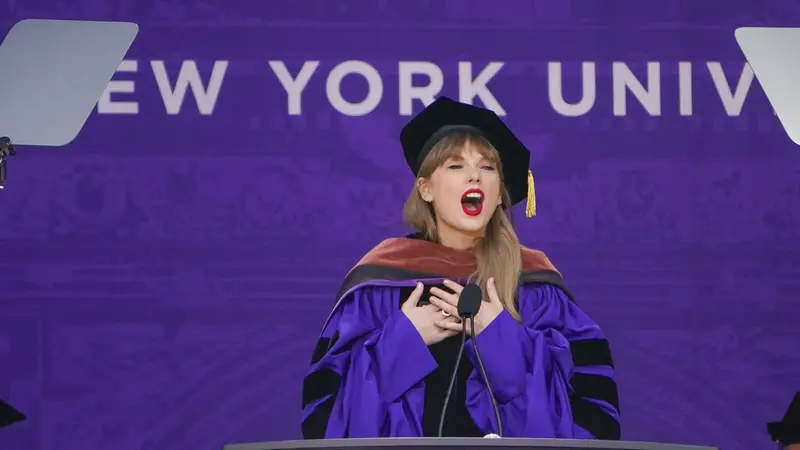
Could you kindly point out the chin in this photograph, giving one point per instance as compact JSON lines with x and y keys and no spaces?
{"x":461,"y":222}
{"x":472,"y":225}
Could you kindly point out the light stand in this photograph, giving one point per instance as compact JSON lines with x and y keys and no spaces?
{"x":6,"y":149}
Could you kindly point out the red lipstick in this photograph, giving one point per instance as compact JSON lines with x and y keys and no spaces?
{"x":472,"y":202}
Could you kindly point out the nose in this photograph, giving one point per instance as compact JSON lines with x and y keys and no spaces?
{"x":474,"y":175}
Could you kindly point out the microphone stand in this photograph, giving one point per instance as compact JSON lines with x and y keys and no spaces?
{"x":6,"y":149}
{"x":485,"y":378}
{"x":453,"y":378}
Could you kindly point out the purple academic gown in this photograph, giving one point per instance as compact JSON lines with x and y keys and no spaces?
{"x":551,"y":373}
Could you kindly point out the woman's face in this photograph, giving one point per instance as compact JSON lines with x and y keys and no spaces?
{"x":464,"y":191}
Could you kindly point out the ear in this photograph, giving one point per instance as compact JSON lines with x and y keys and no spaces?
{"x":424,"y":188}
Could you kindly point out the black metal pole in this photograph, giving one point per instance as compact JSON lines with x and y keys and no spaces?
{"x":6,"y":149}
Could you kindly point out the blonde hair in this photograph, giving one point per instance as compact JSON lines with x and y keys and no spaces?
{"x":498,"y":252}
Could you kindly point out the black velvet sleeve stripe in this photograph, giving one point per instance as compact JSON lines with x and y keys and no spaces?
{"x":586,"y":387}
{"x":316,"y":424}
{"x":316,"y":386}
{"x":320,"y":349}
{"x":596,"y":387}
{"x":593,"y":419}
{"x":591,"y":352}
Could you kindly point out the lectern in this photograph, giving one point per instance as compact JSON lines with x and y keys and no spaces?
{"x":458,"y":443}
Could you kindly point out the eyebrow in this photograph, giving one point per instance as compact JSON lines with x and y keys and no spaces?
{"x":459,"y":158}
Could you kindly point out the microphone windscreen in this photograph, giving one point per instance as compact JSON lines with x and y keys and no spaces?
{"x":469,"y":301}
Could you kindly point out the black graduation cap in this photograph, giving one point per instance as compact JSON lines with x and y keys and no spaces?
{"x":445,"y":116}
{"x":9,"y":415}
{"x":787,"y":431}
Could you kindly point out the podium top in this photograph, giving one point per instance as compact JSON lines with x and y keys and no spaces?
{"x":474,"y":443}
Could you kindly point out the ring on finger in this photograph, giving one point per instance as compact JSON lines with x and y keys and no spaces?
{"x":445,"y":313}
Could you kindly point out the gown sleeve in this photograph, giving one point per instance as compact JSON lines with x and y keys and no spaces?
{"x":367,"y":372}
{"x":552,"y":373}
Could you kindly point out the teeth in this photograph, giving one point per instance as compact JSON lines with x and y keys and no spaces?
{"x":473,"y":195}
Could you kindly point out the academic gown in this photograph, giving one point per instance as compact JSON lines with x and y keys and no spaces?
{"x":372,"y":375}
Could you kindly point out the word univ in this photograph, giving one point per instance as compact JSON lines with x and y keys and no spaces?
{"x":472,"y":83}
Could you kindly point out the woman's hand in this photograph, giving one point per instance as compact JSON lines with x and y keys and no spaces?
{"x":429,"y":321}
{"x":448,"y":302}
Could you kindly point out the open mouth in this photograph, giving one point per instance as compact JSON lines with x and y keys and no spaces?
{"x":472,"y":202}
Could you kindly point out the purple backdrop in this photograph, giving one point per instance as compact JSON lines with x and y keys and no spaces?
{"x":163,"y":278}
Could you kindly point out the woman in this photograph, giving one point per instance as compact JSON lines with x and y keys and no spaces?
{"x":385,"y":357}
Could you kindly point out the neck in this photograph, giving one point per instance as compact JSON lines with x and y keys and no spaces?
{"x":456,"y":239}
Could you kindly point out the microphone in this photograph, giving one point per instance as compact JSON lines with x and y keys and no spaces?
{"x":469,"y":302}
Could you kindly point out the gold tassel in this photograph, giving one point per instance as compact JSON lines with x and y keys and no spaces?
{"x":530,"y":207}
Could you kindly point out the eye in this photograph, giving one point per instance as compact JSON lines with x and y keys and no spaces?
{"x":488,"y":167}
{"x":455,"y":166}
